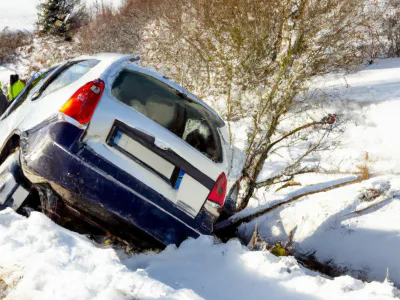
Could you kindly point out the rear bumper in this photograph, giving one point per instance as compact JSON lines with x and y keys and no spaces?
{"x":52,"y":153}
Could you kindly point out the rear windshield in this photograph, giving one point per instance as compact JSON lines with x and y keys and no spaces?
{"x":172,"y":110}
{"x":69,"y":73}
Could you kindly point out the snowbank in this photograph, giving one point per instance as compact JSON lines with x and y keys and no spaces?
{"x":369,"y":100}
{"x":343,"y":227}
{"x":353,"y":228}
{"x":40,"y":260}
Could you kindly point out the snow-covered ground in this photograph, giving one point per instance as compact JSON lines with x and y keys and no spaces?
{"x":18,"y":14}
{"x":355,"y":228}
{"x":40,"y":260}
{"x":370,"y":100}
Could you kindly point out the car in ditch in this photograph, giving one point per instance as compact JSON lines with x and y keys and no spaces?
{"x":119,"y":146}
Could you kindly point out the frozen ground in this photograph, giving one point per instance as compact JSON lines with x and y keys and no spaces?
{"x":40,"y":260}
{"x":355,"y":228}
{"x":370,"y":101}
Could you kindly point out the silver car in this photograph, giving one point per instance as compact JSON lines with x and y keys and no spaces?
{"x":119,"y":146}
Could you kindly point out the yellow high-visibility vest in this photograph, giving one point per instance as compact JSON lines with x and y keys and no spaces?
{"x":15,"y":90}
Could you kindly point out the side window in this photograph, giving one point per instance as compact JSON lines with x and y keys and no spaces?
{"x":164,"y":105}
{"x":199,"y":133}
{"x":34,"y":82}
{"x":72,"y":72}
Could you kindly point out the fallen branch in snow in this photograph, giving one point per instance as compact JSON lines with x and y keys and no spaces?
{"x":373,"y":207}
{"x":226,"y":229}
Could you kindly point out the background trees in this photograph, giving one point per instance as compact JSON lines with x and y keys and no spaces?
{"x":61,"y":17}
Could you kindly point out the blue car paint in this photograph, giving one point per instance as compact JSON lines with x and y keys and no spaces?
{"x":95,"y":182}
{"x":179,"y":181}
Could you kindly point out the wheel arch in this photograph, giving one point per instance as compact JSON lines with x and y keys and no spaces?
{"x":11,"y":143}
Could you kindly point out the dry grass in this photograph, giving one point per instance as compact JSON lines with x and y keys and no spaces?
{"x":8,"y":281}
{"x":288,"y":184}
{"x":10,"y":41}
{"x":116,"y":30}
{"x":364,"y":169}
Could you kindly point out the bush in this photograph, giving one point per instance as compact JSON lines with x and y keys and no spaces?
{"x":117,"y":30}
{"x":10,"y":41}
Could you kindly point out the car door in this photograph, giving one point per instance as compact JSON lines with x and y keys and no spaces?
{"x":156,"y":134}
{"x":20,"y":108}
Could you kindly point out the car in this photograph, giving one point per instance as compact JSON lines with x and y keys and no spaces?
{"x":119,"y":146}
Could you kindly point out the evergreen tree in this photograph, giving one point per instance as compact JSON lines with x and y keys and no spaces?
{"x":61,"y":17}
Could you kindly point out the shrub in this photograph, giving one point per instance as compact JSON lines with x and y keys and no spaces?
{"x":117,"y":30}
{"x":10,"y":41}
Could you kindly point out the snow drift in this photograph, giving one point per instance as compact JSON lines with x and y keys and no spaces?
{"x":40,"y":260}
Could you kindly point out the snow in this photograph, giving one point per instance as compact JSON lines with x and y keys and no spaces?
{"x":339,"y":227}
{"x":40,"y":260}
{"x":18,"y":14}
{"x":371,"y":99}
{"x":268,"y":198}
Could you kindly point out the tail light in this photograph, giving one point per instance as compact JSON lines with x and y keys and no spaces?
{"x":83,"y":103}
{"x":218,"y":193}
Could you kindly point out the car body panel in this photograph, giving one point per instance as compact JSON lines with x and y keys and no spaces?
{"x":122,"y":163}
{"x":110,"y":110}
{"x":95,"y":184}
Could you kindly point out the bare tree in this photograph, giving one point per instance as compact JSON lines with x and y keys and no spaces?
{"x":259,"y":56}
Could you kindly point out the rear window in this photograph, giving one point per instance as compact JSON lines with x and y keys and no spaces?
{"x":69,"y":73}
{"x":166,"y":106}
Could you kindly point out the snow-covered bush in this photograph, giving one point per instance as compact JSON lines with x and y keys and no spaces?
{"x":257,"y":58}
{"x":116,"y":29}
{"x":10,"y":41}
{"x":382,"y":30}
